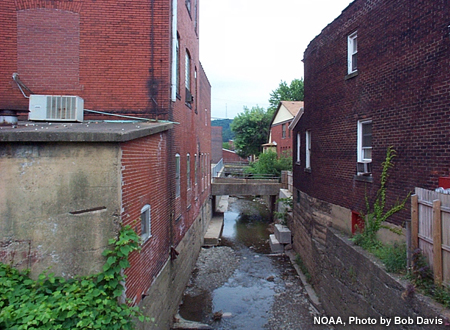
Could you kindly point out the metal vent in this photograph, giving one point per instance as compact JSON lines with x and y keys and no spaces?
{"x":61,"y":107}
{"x":56,"y":107}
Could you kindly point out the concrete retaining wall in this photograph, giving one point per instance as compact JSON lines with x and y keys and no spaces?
{"x":349,"y":281}
{"x":58,"y":205}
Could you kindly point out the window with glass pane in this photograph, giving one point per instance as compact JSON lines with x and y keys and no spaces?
{"x":145,"y":222}
{"x":177,"y":175}
{"x":366,"y":141}
{"x":352,"y":53}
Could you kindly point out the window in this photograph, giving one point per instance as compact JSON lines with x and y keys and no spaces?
{"x":298,"y":196}
{"x":188,"y":171}
{"x":177,"y":175}
{"x":178,"y":64}
{"x":188,"y":78}
{"x":283,"y":131}
{"x":298,"y":148}
{"x":308,"y":149}
{"x":352,"y":53}
{"x":364,"y":157}
{"x":365,"y":141}
{"x":188,"y":6}
{"x":145,"y":223}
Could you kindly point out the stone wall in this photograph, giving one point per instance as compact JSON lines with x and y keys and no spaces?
{"x":349,"y":281}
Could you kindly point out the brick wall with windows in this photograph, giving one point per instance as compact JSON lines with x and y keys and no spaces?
{"x":144,"y":183}
{"x":115,"y":55}
{"x":283,"y":137}
{"x":400,"y":84}
{"x":193,"y":137}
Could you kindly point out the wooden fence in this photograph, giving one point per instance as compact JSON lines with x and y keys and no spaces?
{"x":430,"y":230}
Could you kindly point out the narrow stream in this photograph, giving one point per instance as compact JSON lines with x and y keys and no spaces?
{"x":247,"y":296}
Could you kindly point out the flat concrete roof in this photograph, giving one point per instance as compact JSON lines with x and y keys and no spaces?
{"x":88,"y":131}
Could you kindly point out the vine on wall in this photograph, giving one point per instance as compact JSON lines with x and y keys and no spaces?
{"x":85,"y":302}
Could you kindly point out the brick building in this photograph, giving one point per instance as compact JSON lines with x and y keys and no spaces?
{"x":280,"y":133}
{"x":134,"y":58}
{"x":377,"y":76}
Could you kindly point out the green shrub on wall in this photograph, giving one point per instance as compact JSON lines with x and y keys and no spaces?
{"x":87,"y":302}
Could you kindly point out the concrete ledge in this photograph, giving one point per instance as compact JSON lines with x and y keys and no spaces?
{"x":214,"y":232}
{"x":81,"y":132}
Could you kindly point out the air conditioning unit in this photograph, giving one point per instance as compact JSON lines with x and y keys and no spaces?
{"x":56,"y":108}
{"x":364,"y":168}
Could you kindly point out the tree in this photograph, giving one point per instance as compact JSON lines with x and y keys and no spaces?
{"x":227,"y":134}
{"x":251,"y":129}
{"x":293,"y":92}
{"x":268,"y":163}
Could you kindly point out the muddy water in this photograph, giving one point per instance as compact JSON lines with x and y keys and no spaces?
{"x":247,"y":296}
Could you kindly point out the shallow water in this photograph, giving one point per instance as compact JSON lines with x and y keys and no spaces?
{"x":248,"y":294}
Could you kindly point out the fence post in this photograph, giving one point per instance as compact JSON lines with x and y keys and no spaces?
{"x":437,"y":241}
{"x":414,"y":222}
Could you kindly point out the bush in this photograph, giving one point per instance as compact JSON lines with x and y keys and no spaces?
{"x":268,"y":163}
{"x":85,"y":302}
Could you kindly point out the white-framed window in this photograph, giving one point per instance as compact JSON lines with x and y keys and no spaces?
{"x":352,"y":53}
{"x":187,"y":80}
{"x":177,"y":175}
{"x":283,"y":131}
{"x":177,"y":59}
{"x":298,"y":147}
{"x":146,"y":229}
{"x":365,"y":141}
{"x":308,"y":149}
{"x":188,"y":171}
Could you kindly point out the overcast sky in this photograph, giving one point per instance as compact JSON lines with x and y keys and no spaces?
{"x":247,"y":47}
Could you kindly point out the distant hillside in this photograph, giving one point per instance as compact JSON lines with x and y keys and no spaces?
{"x":227,"y":134}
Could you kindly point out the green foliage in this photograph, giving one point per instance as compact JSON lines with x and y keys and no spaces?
{"x":268,"y":163}
{"x":252,"y":131}
{"x":226,"y":145}
{"x":303,"y":268}
{"x":293,"y":92}
{"x":87,"y":302}
{"x":422,"y":278}
{"x":287,"y":207}
{"x":227,"y":133}
{"x":376,"y":215}
{"x":393,"y":257}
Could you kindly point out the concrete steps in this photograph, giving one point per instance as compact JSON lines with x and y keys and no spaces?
{"x":280,"y":238}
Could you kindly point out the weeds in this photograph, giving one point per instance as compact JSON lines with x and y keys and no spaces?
{"x":299,"y":262}
{"x":421,"y":276}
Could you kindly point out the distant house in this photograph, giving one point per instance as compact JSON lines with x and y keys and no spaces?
{"x":230,"y":156}
{"x":377,"y":76}
{"x":280,"y":138}
{"x":66,"y":187}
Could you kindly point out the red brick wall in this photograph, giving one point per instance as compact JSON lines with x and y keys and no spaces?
{"x":193,"y":136}
{"x":123,"y":47}
{"x":284,"y":145}
{"x":402,"y":85}
{"x":217,"y":143}
{"x":124,"y":66}
{"x":144,"y":182}
{"x":232,"y":157}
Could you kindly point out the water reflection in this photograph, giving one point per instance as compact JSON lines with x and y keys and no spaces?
{"x":248,"y":294}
